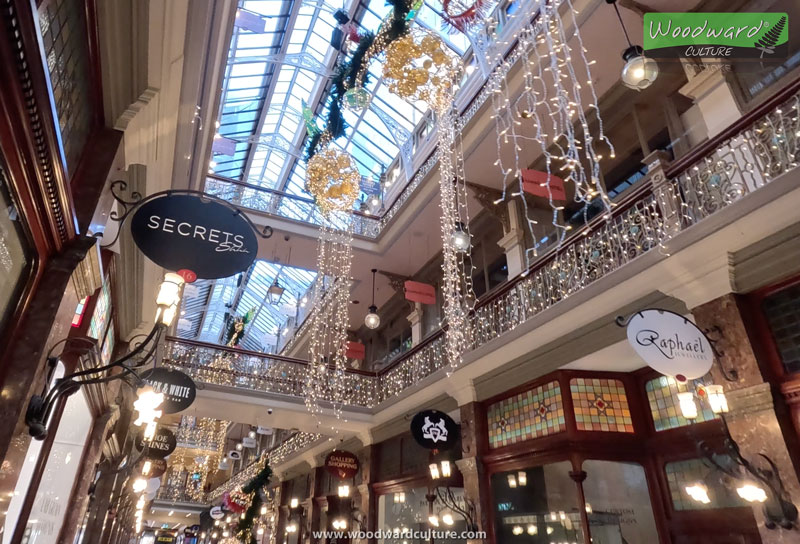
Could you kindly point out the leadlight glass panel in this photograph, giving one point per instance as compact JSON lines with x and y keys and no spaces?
{"x":102,"y":312}
{"x":601,"y":405}
{"x":782,"y":310}
{"x":63,"y":29}
{"x":531,"y":414}
{"x":662,"y":395}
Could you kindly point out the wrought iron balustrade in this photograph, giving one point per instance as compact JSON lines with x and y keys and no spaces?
{"x":761,"y":146}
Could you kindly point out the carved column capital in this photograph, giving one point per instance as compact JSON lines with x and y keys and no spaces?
{"x":487,"y":197}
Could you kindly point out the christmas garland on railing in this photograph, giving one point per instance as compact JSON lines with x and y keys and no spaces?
{"x":255,"y":487}
{"x":353,"y":73}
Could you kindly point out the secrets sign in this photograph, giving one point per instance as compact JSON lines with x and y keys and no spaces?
{"x":179,"y":390}
{"x":190,"y":232}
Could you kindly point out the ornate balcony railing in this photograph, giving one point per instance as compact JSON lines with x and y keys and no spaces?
{"x":255,"y":371}
{"x":759,"y":147}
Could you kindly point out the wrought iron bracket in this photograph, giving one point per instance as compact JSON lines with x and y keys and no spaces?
{"x":130,"y":203}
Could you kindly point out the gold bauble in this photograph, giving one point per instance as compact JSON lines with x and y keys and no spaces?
{"x":333,"y":179}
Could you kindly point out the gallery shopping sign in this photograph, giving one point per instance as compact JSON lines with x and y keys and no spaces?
{"x":193,"y":233}
{"x":670,"y":343}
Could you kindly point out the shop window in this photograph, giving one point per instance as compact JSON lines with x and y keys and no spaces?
{"x":409,"y":510}
{"x":532,"y":414}
{"x":102,"y":312}
{"x":662,"y":394}
{"x":52,"y":498}
{"x":618,"y":503}
{"x":601,"y":405}
{"x":108,"y":345}
{"x":14,"y":252}
{"x":782,"y":310}
{"x":692,"y":472}
{"x":537,"y":505}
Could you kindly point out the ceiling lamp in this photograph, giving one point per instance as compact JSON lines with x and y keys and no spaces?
{"x":372,"y":320}
{"x":639,"y":71}
{"x":275,"y":292}
{"x":460,"y":237}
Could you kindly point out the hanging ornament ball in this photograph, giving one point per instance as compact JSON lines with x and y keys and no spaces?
{"x":333,"y":179}
{"x":419,"y":66}
{"x":355,"y":99}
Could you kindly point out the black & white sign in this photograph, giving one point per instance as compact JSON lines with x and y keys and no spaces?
{"x":158,"y":447}
{"x":433,"y":429}
{"x":670,"y":344}
{"x":189,"y":232}
{"x":178,"y":388}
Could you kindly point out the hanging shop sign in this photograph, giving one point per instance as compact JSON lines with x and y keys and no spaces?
{"x":179,"y":390}
{"x":341,"y":464}
{"x":355,"y":350}
{"x":216,"y":512}
{"x":166,"y":539}
{"x":434,"y":430}
{"x":535,"y":183}
{"x":190,"y":233}
{"x":248,"y":442}
{"x":670,"y":344}
{"x":235,"y":455}
{"x":263,"y":430}
{"x":420,"y":292}
{"x":157,"y":467}
{"x":160,"y":446}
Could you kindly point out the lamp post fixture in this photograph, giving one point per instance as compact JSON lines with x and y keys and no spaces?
{"x":40,"y":407}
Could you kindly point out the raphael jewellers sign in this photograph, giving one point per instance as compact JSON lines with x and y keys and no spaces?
{"x":190,"y":232}
{"x":670,"y":344}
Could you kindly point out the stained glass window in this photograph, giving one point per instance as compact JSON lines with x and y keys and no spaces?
{"x":662,"y":394}
{"x":532,"y":414}
{"x":102,"y":312}
{"x":601,"y":405}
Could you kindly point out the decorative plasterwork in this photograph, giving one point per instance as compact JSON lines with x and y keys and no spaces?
{"x":487,"y":197}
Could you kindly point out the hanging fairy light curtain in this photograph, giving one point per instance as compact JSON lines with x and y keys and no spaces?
{"x":554,"y":105}
{"x":419,"y":66}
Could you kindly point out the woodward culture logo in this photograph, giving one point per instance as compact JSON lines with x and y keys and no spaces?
{"x":760,"y":36}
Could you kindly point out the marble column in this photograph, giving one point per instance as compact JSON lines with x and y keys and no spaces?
{"x":79,"y":498}
{"x":752,"y":419}
{"x":415,"y":319}
{"x":473,"y":445}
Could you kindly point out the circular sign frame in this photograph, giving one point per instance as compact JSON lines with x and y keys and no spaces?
{"x":342,"y":464}
{"x":434,"y":430}
{"x":178,"y":388}
{"x":670,"y":343}
{"x":195,"y":233}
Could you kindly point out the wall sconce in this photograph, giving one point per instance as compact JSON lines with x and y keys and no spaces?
{"x":293,"y":503}
{"x":40,"y":407}
{"x":344,"y":491}
{"x":698,"y":492}
{"x":399,"y":498}
{"x":522,"y":478}
{"x":512,"y":481}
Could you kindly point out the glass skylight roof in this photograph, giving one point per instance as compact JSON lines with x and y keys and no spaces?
{"x":262,"y":98}
{"x":204,"y":314}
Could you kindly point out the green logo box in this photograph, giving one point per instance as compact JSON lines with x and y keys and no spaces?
{"x":716,"y":35}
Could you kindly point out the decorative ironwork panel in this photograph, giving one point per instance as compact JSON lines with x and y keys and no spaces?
{"x":601,"y":405}
{"x":662,"y":394}
{"x":532,"y":414}
{"x":62,"y":24}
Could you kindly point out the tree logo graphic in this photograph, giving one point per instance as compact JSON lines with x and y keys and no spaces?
{"x":766,"y":44}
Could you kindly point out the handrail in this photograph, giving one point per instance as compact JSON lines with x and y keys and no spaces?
{"x":708,"y":146}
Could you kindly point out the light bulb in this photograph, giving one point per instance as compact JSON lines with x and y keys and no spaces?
{"x":169,"y":292}
{"x":239,"y":446}
{"x":752,"y":493}
{"x":251,"y":434}
{"x":522,"y":478}
{"x":139,"y":485}
{"x":433,"y":520}
{"x":344,"y":490}
{"x":698,"y":492}
{"x":447,"y":518}
{"x":639,"y":71}
{"x":460,"y":238}
{"x":716,"y":399}
{"x":372,"y":320}
{"x":517,"y":530}
{"x":532,"y":529}
{"x":263,"y":510}
{"x":687,"y":405}
{"x":434,"y":468}
{"x":293,"y":503}
{"x":146,"y":403}
{"x":512,"y":481}
{"x":446,"y":469}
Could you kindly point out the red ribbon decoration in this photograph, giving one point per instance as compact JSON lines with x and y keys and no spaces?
{"x":460,"y":21}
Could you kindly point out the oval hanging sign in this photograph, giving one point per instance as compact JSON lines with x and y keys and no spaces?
{"x":195,"y":235}
{"x":178,"y":388}
{"x":216,"y":512}
{"x":434,"y":430}
{"x":341,"y":464}
{"x":160,"y":446}
{"x":670,"y":344}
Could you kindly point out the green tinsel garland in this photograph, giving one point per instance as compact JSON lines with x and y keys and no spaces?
{"x":244,"y":529}
{"x":335,"y":125}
